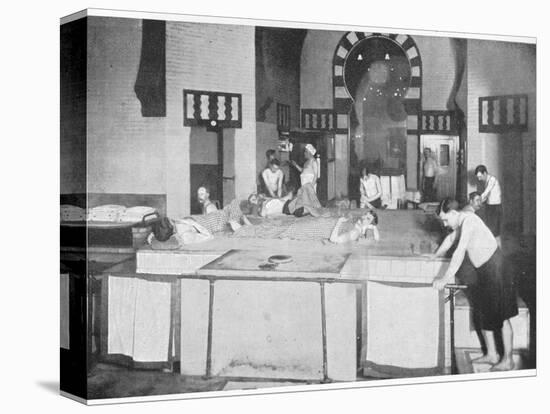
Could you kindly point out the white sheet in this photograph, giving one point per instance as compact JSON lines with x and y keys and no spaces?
{"x":402,"y":325}
{"x":139,"y":318}
{"x":393,"y":190}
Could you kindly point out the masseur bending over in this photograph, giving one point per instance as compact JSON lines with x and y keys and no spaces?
{"x":496,"y":297}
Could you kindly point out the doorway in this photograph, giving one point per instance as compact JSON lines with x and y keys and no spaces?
{"x":377,"y":74}
{"x":443,"y":149}
{"x":212,"y":155}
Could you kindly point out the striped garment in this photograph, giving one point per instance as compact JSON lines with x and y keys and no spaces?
{"x":290,"y":227}
{"x":217,"y":221}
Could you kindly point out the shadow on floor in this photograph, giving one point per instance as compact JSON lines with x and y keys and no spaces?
{"x":51,"y":386}
{"x":109,"y":381}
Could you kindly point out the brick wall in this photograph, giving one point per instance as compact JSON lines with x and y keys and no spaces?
{"x":501,"y":68}
{"x":278,"y":73}
{"x":125,"y":150}
{"x":438,"y":71}
{"x":211,"y":57}
{"x":316,"y":68}
{"x":131,"y":154}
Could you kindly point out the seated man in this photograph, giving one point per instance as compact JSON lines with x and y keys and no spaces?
{"x":273,"y":178}
{"x":354,"y":230}
{"x":203,"y":195}
{"x":370,"y":189}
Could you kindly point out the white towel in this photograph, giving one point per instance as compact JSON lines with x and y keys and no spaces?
{"x":152,"y":323}
{"x":386,"y":193}
{"x":402,"y":325}
{"x":108,"y":212}
{"x":393,"y":190}
{"x":139,"y":318}
{"x":398,"y":188}
{"x":122,"y":292}
{"x":72,"y":213}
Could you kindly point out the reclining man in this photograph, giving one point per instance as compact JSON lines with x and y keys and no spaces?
{"x":305,"y":202}
{"x":347,"y":230}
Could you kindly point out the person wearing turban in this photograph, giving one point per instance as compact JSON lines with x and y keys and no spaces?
{"x":309,"y":173}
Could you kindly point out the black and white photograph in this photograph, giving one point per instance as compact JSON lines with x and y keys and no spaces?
{"x":268,"y":206}
{"x":260,"y":207}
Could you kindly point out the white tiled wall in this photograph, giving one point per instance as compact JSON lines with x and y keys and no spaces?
{"x":172,"y":262}
{"x":393,"y":269}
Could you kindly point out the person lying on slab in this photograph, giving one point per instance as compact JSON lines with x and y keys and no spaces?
{"x":303,"y":203}
{"x":169,"y":234}
{"x":347,"y":230}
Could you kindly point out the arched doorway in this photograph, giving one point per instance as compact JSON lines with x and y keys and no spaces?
{"x":377,"y":82}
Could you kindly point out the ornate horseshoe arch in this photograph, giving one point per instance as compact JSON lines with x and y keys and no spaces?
{"x":342,"y":101}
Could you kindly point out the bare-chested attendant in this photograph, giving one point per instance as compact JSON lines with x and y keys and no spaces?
{"x":494,"y":292}
{"x":429,"y":171}
{"x":203,"y":195}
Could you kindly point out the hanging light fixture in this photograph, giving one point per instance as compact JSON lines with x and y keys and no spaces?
{"x":387,"y":57}
{"x":360,"y":57}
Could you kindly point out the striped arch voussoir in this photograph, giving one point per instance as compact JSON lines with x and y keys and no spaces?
{"x":341,"y":98}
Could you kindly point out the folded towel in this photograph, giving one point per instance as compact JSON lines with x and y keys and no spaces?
{"x":72,"y":213}
{"x":108,"y":212}
{"x":136,"y":214}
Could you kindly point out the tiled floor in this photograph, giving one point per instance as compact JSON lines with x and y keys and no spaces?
{"x":110,"y":381}
{"x":464,"y":357}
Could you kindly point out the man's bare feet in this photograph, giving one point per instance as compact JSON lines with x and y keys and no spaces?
{"x":506,"y":364}
{"x":234,"y":225}
{"x":486,"y":359}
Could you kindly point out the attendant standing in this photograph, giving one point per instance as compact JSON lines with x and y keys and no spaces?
{"x":491,"y":196}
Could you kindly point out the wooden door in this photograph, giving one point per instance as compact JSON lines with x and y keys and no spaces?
{"x":444,"y":151}
{"x":227,"y":147}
